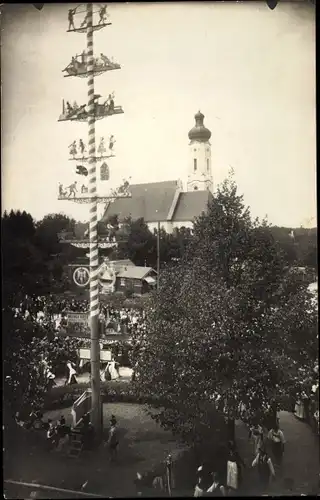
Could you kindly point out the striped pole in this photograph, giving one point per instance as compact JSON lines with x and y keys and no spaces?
{"x":93,"y":235}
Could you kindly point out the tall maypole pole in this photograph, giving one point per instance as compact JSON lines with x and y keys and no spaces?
{"x":93,"y":234}
{"x":87,"y":66}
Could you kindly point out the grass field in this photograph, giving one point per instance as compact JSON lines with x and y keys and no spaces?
{"x":144,"y":446}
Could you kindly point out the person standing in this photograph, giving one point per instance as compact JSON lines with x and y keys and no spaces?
{"x":72,"y":374}
{"x":277,"y":440}
{"x":256,"y":433}
{"x":235,"y":464}
{"x":113,"y":439}
{"x":265,"y":467}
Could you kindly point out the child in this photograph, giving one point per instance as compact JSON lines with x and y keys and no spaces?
{"x":216,"y":489}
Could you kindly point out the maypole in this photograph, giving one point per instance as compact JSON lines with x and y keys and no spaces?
{"x":93,"y":235}
{"x":88,"y":66}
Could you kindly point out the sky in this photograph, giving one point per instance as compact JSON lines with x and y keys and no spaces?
{"x":250,"y":70}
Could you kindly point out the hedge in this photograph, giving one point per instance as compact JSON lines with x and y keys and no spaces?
{"x":111,"y":392}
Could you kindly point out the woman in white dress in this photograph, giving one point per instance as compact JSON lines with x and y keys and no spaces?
{"x":72,"y":374}
{"x":113,"y":370}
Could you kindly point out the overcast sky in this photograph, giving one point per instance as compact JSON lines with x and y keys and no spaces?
{"x":250,"y":70}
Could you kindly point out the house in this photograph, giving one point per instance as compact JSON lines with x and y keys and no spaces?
{"x":137,"y":280}
{"x":167,"y":204}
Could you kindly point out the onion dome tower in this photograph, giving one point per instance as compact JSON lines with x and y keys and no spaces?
{"x":199,"y":171}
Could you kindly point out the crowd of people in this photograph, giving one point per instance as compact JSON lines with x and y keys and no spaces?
{"x":53,"y":311}
{"x":226,"y":477}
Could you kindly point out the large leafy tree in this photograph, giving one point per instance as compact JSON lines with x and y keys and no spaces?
{"x":22,"y":260}
{"x":230,"y":326}
{"x":138,"y":243}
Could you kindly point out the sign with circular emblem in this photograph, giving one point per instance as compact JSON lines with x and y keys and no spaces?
{"x":81,"y":276}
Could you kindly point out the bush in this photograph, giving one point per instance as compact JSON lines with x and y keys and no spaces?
{"x":111,"y":392}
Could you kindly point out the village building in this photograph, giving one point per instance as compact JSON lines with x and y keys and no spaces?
{"x":167,"y":204}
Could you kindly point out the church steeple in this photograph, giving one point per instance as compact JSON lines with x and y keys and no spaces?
{"x":199,"y":173}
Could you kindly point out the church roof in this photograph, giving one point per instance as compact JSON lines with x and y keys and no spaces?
{"x":154,"y":201}
{"x":190,"y":205}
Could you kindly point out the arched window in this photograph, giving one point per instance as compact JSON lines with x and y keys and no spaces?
{"x":207,"y":164}
{"x":195,"y":164}
{"x":195,"y":188}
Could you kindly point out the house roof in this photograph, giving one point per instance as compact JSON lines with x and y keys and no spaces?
{"x":190,"y":205}
{"x":154,"y":202}
{"x":123,"y":262}
{"x":135,"y":272}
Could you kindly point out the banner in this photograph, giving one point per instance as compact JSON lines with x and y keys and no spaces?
{"x":74,"y":317}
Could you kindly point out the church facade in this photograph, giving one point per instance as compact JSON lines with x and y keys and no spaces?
{"x":166,"y":203}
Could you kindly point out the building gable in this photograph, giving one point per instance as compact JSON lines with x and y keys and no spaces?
{"x":190,"y":205}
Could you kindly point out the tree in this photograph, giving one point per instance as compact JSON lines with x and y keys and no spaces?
{"x":140,"y":244}
{"x":213,"y":334}
{"x":22,"y":261}
{"x":25,"y":345}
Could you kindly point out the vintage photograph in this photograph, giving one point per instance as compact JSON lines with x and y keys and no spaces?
{"x":159,"y":249}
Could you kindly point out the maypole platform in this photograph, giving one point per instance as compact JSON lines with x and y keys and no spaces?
{"x":103,"y":243}
{"x":83,"y":115}
{"x":83,"y":29}
{"x":83,"y":73}
{"x":85,"y":158}
{"x":88,"y":199}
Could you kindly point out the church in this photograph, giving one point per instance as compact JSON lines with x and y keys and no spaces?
{"x":167,"y":203}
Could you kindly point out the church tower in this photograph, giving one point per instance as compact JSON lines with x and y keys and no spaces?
{"x":199,"y":172}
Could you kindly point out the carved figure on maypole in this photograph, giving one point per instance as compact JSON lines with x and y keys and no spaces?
{"x":109,"y":104}
{"x":97,"y":25}
{"x":103,"y":15}
{"x":101,"y":148}
{"x":71,"y":14}
{"x":80,"y":113}
{"x":73,"y":149}
{"x":81,"y":170}
{"x":123,"y":190}
{"x":72,"y":189}
{"x":78,"y":65}
{"x":82,"y":147}
{"x":62,"y":192}
{"x":111,"y":142}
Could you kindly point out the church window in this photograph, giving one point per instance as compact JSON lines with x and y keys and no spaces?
{"x":195,"y":164}
{"x":207,"y":164}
